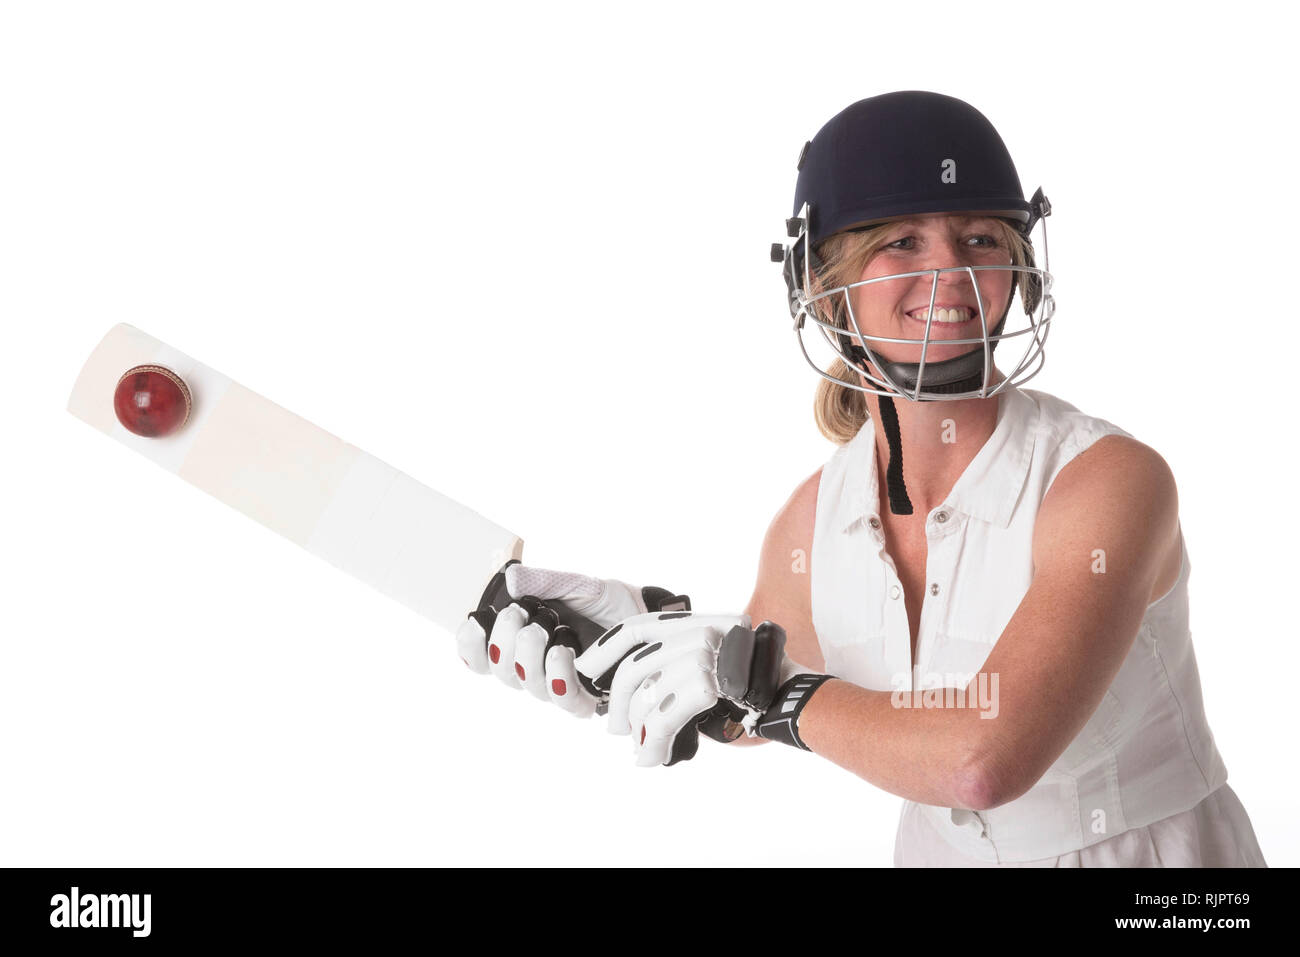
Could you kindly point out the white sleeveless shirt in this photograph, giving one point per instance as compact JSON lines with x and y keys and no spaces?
{"x":1144,"y":755}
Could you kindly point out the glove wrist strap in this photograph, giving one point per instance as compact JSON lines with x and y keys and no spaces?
{"x":661,"y":599}
{"x":781,"y":721}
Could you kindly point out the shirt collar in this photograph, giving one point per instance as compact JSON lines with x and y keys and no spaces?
{"x":989,"y":487}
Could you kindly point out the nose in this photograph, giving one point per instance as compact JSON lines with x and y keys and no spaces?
{"x":946,"y":253}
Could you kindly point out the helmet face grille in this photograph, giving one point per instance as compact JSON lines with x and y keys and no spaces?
{"x":929,"y":366}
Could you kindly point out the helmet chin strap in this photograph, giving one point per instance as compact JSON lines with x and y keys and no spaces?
{"x":963,"y":373}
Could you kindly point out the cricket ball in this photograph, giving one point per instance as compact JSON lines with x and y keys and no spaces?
{"x":151,"y":401}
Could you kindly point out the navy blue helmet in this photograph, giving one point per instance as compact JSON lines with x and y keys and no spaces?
{"x":899,"y":155}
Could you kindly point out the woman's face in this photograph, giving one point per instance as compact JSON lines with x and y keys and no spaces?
{"x":897,"y":308}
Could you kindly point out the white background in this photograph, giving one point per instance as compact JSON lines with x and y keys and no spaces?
{"x":520,"y":252}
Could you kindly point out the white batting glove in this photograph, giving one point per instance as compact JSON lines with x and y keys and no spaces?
{"x":519,"y":644}
{"x":675,"y":675}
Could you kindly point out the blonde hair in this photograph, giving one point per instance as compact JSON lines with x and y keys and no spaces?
{"x":841,"y":411}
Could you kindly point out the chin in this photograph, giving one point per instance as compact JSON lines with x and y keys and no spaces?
{"x":936,"y":353}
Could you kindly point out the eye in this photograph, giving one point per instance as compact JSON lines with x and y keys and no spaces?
{"x":983,"y":241}
{"x":907,"y":242}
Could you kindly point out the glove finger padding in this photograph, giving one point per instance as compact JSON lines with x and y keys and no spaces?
{"x":530,"y":651}
{"x":471,"y":640}
{"x":501,"y":644}
{"x":563,"y":685}
{"x":667,"y":709}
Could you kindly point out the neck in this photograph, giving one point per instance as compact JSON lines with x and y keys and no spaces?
{"x":938,"y":440}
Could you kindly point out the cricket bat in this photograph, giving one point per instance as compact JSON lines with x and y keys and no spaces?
{"x":410,"y":542}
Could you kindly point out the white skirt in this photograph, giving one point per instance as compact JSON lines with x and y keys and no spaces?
{"x":1215,"y":833}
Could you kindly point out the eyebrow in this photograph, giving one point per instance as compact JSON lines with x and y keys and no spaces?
{"x":964,"y":219}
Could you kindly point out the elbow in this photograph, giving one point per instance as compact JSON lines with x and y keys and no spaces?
{"x":983,"y":784}
{"x":974,"y":789}
{"x":997,"y":765}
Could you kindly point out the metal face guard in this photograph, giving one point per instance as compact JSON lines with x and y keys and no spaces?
{"x":920,"y":381}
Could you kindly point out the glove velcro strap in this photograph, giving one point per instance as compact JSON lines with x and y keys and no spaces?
{"x":661,"y":599}
{"x":781,"y":721}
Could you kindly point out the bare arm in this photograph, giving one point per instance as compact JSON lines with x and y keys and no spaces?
{"x":1055,"y":659}
{"x":783,"y":591}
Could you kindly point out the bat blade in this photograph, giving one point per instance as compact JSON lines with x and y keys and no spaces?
{"x":340,"y":503}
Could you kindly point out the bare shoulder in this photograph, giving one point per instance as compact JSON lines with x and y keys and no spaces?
{"x":783,"y":591}
{"x":1117,"y":490}
{"x":789,"y":536}
{"x":1116,"y":475}
{"x":797,"y":516}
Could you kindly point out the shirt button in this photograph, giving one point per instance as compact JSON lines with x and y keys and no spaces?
{"x":934,"y":589}
{"x":894,"y":591}
{"x":941,"y":516}
{"x":875,"y":522}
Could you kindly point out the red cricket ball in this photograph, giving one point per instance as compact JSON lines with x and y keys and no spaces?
{"x":151,"y":401}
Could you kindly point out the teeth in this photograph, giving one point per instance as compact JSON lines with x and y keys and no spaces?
{"x":959,"y":314}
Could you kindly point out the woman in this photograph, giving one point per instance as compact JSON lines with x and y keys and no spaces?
{"x":997,"y":632}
